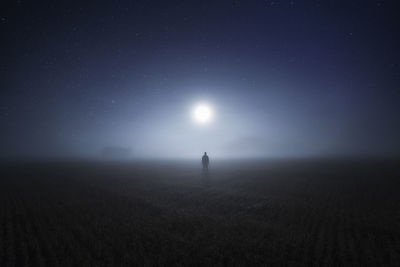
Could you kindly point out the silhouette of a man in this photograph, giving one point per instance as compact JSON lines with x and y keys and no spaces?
{"x":205,"y":160}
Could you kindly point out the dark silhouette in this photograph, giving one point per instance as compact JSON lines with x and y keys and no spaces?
{"x":205,"y":161}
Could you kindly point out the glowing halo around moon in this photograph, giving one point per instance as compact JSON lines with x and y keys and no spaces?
{"x":202,"y":113}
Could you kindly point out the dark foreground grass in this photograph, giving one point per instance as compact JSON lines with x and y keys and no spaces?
{"x":295,"y":213}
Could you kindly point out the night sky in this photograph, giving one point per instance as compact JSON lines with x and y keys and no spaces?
{"x":284,"y":78}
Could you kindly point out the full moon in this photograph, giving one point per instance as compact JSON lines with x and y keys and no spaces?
{"x":202,"y":114}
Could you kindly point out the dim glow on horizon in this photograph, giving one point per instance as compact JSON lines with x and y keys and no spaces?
{"x":202,"y":114}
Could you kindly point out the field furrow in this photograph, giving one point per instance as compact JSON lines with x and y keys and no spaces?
{"x":121,"y":216}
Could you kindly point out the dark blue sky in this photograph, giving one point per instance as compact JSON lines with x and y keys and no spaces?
{"x":285,"y":78}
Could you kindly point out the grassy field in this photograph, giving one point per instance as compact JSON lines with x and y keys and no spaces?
{"x":290,"y":213}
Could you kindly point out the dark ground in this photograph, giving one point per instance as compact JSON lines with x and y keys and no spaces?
{"x":298,"y":213}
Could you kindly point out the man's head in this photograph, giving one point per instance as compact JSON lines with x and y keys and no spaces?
{"x":205,"y":153}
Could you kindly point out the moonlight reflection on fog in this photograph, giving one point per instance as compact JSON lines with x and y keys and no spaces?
{"x":281,"y":78}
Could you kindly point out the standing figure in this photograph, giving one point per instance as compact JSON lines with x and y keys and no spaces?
{"x":205,"y":161}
